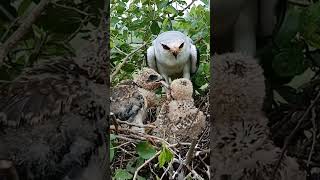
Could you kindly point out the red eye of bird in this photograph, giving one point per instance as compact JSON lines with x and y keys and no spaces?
{"x":165,"y":47}
{"x":181,"y":45}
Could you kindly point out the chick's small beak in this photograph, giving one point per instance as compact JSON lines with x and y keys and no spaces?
{"x":165,"y":84}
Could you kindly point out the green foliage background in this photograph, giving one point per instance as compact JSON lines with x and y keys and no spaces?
{"x":62,"y":29}
{"x":138,"y":21}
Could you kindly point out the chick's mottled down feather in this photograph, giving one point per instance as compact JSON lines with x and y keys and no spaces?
{"x":131,"y":99}
{"x":53,"y":122}
{"x":179,"y":120}
{"x":241,"y":148}
{"x":238,"y":85}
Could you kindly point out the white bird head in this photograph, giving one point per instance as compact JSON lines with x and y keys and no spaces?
{"x":181,"y":89}
{"x":173,"y":47}
{"x":172,"y":44}
{"x":148,"y":79}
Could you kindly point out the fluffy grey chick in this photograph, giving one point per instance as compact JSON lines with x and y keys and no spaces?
{"x":179,"y":120}
{"x":238,"y":85}
{"x":53,"y":121}
{"x":241,"y":148}
{"x":131,"y":99}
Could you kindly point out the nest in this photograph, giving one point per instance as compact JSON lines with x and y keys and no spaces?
{"x":195,"y":165}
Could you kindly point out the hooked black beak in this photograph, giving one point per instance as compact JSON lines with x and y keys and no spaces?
{"x":175,"y":54}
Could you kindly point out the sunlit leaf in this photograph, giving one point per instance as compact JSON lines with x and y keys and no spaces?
{"x":165,"y":156}
{"x":155,"y":29}
{"x":122,"y":174}
{"x":145,"y":150}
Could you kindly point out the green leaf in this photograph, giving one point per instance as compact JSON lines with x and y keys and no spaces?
{"x":145,"y":150}
{"x":155,"y":29}
{"x":311,"y":25}
{"x":171,"y":10}
{"x":205,"y":2}
{"x":112,"y":137}
{"x":130,"y":167}
{"x":37,"y":31}
{"x":289,"y":28}
{"x":23,"y":6}
{"x":111,"y":152}
{"x":140,"y":178}
{"x":122,"y":174}
{"x":290,"y":94}
{"x":163,"y":4}
{"x":289,"y":62}
{"x":60,"y":20}
{"x":165,"y":156}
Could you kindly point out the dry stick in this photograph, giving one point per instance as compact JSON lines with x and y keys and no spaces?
{"x":299,"y":3}
{"x":120,"y":50}
{"x":189,"y":155}
{"x":314,"y":135}
{"x":136,"y":125}
{"x":141,"y":135}
{"x":187,"y":7}
{"x":12,"y":41}
{"x":288,"y":139}
{"x":71,"y":8}
{"x":166,"y":170}
{"x":145,"y":163}
{"x":124,"y":61}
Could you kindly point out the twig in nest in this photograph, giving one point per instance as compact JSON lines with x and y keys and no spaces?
{"x":189,"y":155}
{"x":294,"y":131}
{"x":314,"y":135}
{"x":127,"y":152}
{"x":205,"y":151}
{"x":120,"y":50}
{"x":24,"y":28}
{"x":142,"y":136}
{"x":124,"y":61}
{"x":145,"y":163}
{"x":124,"y":138}
{"x":166,"y":170}
{"x":136,"y":125}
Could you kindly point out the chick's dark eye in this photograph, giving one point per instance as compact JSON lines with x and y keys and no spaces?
{"x":152,"y":77}
{"x":181,"y":46}
{"x":165,"y":47}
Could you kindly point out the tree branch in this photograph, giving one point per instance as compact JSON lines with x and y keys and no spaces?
{"x":299,"y":3}
{"x":12,"y":41}
{"x":124,"y":61}
{"x":145,"y":163}
{"x":294,"y":131}
{"x":187,"y":7}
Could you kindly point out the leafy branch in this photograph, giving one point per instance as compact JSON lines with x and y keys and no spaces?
{"x":124,"y":61}
{"x":24,"y":28}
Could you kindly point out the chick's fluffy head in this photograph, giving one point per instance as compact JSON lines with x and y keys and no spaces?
{"x":181,"y":89}
{"x":238,"y":86}
{"x":148,"y":79}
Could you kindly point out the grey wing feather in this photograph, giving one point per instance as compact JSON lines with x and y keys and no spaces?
{"x":151,"y":58}
{"x":195,"y":58}
{"x":126,"y":101}
{"x":32,"y":100}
